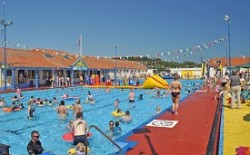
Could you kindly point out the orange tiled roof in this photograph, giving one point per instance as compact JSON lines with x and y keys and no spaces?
{"x":106,"y":63}
{"x":36,"y":58}
{"x":236,"y":61}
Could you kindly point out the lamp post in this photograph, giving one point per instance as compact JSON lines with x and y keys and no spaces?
{"x":5,"y":24}
{"x":226,"y":18}
{"x":115,"y":73}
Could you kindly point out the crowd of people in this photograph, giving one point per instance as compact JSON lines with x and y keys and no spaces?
{"x":235,"y":86}
{"x":77,"y":126}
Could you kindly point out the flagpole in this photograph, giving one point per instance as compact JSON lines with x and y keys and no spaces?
{"x":80,"y":46}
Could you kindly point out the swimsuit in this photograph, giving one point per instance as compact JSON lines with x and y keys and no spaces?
{"x":175,"y":94}
{"x":80,"y":138}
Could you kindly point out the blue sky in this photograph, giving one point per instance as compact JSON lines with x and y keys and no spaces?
{"x":137,"y":27}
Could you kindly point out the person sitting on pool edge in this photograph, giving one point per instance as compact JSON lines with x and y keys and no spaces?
{"x":79,"y":129}
{"x":126,"y":118}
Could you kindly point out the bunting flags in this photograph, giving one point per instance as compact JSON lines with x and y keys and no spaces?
{"x":171,"y":55}
{"x":180,"y":53}
{"x":18,"y":45}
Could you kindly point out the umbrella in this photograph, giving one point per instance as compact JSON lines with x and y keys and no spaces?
{"x":247,"y":65}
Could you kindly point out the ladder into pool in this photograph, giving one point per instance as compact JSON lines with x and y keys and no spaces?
{"x":93,"y":126}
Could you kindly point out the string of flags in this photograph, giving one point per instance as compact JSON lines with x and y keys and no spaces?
{"x":172,"y":55}
{"x":176,"y":54}
{"x":21,"y":46}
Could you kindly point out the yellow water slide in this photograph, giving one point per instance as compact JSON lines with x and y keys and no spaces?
{"x":155,"y":81}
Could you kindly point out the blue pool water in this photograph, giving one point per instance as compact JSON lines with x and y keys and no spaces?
{"x":16,"y":128}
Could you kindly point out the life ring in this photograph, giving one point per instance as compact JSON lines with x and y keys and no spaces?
{"x":116,"y":114}
{"x":72,"y":151}
{"x":69,"y":137}
{"x":9,"y":109}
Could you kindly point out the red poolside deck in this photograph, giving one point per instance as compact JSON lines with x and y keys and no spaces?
{"x":189,"y":137}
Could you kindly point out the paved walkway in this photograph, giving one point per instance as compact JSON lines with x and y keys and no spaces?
{"x":235,"y":128}
{"x":189,"y":137}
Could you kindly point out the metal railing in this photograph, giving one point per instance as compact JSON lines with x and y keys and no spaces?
{"x":93,"y":126}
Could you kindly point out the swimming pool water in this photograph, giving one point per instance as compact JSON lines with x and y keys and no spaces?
{"x":16,"y":128}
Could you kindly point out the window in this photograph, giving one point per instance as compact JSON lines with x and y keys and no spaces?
{"x":76,"y":74}
{"x":46,"y":74}
{"x":66,"y":57}
{"x":31,"y":74}
{"x":48,"y":55}
{"x":8,"y":72}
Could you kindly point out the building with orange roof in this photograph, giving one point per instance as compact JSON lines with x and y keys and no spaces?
{"x":214,"y":63}
{"x":38,"y":66}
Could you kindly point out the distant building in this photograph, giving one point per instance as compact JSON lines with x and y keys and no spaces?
{"x":224,"y":62}
{"x":37,"y":66}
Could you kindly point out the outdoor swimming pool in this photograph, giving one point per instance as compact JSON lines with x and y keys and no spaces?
{"x":16,"y":128}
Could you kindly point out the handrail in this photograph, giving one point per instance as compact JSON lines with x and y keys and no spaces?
{"x":93,"y":126}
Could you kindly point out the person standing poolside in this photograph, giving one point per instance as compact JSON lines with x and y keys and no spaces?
{"x":235,"y":89}
{"x":34,"y":147}
{"x":77,"y":108}
{"x":62,"y":111}
{"x":175,"y":93}
{"x":79,"y":129}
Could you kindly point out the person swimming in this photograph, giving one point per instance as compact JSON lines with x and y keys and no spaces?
{"x":90,"y":98}
{"x":116,"y":104}
{"x":126,"y":118}
{"x":140,"y":97}
{"x":117,"y":129}
{"x":158,"y":109}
